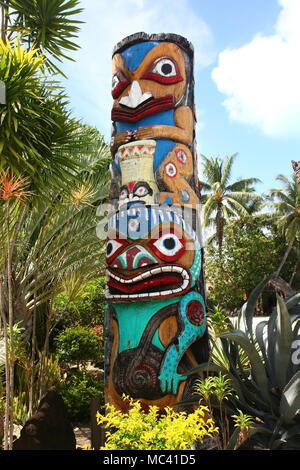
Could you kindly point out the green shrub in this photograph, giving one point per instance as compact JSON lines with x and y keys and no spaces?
{"x":78,"y":389}
{"x":247,"y":256}
{"x":77,"y":344}
{"x":87,"y":309}
{"x":138,"y":430}
{"x":46,"y":373}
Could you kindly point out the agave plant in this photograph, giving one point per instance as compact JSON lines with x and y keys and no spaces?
{"x":269,"y":388}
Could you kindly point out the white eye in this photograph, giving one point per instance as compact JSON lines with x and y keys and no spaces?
{"x":141,"y":191}
{"x":165,"y":67}
{"x":168,"y":247}
{"x":118,"y":84}
{"x":164,"y":70}
{"x":115,"y":82}
{"x":112,"y":248}
{"x":124,"y":194}
{"x":170,"y":169}
{"x":181,"y":156}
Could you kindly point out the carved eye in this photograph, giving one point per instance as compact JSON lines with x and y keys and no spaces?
{"x":168,"y":247}
{"x":170,"y":169}
{"x":119,"y":83}
{"x":124,"y":193}
{"x":113,"y":248}
{"x":164,"y":70}
{"x":142,"y":189}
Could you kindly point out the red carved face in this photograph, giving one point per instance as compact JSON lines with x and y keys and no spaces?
{"x":152,"y":268}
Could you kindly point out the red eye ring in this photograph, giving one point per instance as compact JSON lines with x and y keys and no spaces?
{"x":179,"y":250}
{"x":152,"y":73}
{"x":121,"y":84}
{"x":117,"y":246}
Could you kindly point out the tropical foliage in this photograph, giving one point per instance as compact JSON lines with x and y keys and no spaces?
{"x":53,"y":176}
{"x":138,"y":430}
{"x":223,"y":200}
{"x":286,"y":202}
{"x":248,"y":255}
{"x":77,"y":389}
{"x":77,"y":344}
{"x":49,"y":27}
{"x":268,"y":388}
{"x":81,"y":303}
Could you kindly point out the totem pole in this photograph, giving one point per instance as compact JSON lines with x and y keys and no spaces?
{"x":156,"y":315}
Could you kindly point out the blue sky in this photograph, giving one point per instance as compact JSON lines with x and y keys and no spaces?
{"x":247,"y":74}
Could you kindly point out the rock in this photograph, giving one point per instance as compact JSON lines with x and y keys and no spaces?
{"x":95,"y":371}
{"x":17,"y":431}
{"x":49,"y":428}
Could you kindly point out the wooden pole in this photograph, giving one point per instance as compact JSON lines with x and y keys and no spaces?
{"x":97,"y":431}
{"x":156,"y":317}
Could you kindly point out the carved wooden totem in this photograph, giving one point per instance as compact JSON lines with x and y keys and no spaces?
{"x":155,"y":319}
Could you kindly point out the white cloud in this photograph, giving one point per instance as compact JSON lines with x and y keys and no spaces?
{"x":262,"y":78}
{"x":108,"y":22}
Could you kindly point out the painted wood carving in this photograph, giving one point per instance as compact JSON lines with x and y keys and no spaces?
{"x":156,"y":314}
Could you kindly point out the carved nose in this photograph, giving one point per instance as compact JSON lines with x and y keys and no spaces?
{"x":134,"y":257}
{"x":135,"y":97}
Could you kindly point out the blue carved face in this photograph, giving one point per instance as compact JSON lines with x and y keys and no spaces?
{"x":151,"y":254}
{"x":148,"y":78}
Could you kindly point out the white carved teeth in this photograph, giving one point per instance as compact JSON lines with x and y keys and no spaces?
{"x":165,"y":268}
{"x":144,"y":275}
{"x":184,"y":274}
{"x":168,"y":292}
{"x":151,"y":272}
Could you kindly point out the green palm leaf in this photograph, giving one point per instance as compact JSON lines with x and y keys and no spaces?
{"x":223,"y":201}
{"x":46,"y":25}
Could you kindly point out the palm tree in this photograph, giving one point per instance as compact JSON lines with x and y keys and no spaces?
{"x":224,"y":201}
{"x":12,"y":195}
{"x":55,"y":154}
{"x":296,"y":249}
{"x":53,"y":243}
{"x":38,"y":137}
{"x":47,"y":26}
{"x":286,"y":202}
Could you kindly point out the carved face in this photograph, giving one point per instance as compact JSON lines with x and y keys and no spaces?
{"x":148,"y":78}
{"x":137,"y":192}
{"x":148,"y":264}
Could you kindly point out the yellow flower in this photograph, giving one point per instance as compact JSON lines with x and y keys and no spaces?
{"x":145,"y":431}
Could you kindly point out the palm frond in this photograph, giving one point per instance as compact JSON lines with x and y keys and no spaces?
{"x":227,"y":170}
{"x":245,"y":185}
{"x":48,"y":26}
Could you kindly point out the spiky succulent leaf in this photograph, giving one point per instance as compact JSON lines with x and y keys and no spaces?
{"x":282,"y":343}
{"x":290,"y":400}
{"x":234,"y":441}
{"x":258,"y":369}
{"x":248,"y":309}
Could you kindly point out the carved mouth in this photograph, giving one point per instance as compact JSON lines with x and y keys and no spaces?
{"x":152,"y":106}
{"x":155,"y":283}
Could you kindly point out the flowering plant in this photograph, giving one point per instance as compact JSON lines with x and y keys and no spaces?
{"x":138,"y":430}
